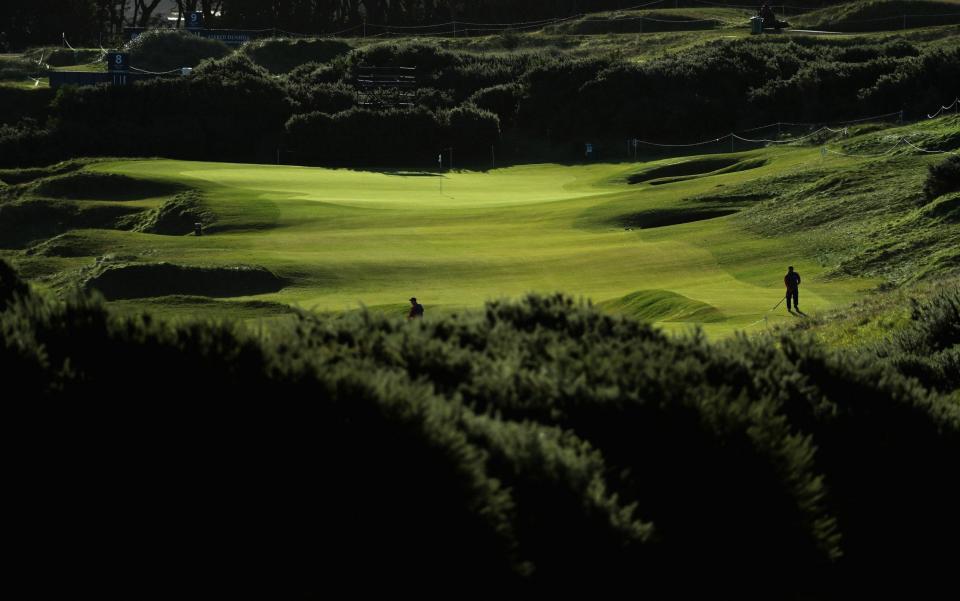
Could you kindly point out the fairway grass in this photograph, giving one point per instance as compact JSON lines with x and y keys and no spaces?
{"x":343,"y":239}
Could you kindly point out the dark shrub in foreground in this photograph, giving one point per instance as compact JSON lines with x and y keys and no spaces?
{"x":537,"y":443}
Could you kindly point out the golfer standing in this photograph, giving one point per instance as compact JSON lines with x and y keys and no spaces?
{"x":792,"y":282}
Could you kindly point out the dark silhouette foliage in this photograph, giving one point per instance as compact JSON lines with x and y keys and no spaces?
{"x":537,"y":444}
{"x":226,"y":110}
{"x":234,"y":109}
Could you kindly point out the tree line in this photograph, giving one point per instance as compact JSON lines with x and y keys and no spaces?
{"x":538,"y":102}
{"x":90,"y":22}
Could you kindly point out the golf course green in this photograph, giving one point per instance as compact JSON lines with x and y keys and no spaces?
{"x":340,"y":239}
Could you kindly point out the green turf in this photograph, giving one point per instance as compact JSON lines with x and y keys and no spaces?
{"x":342,"y":238}
{"x":705,"y":243}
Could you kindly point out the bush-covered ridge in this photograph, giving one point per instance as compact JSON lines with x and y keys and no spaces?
{"x":537,"y":442}
{"x":553,"y":96}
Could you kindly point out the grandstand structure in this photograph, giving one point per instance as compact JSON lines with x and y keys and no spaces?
{"x":386,"y":87}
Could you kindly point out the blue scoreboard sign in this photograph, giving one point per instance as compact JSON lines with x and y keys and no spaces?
{"x":118,"y":61}
{"x":118,"y":64}
{"x":195,"y":20}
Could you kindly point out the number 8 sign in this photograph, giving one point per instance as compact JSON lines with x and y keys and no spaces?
{"x":117,"y":61}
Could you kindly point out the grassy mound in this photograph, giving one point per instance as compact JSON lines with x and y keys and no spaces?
{"x":143,"y":280}
{"x":639,"y":22}
{"x":674,"y":216}
{"x":69,"y":244}
{"x":164,"y":50}
{"x":26,"y":175}
{"x":18,"y":68}
{"x":881,"y":15}
{"x":63,"y":57}
{"x":175,"y":217}
{"x":102,"y":186}
{"x":283,"y":55}
{"x":661,"y":305}
{"x":24,"y":222}
{"x":946,"y":208}
{"x":707,"y":166}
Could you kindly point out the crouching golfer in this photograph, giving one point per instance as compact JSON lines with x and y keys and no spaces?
{"x":792,"y":282}
{"x":416,"y":310}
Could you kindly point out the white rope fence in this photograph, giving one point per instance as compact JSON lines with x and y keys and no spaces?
{"x":952,"y":106}
{"x":170,"y":72}
{"x":823,"y":129}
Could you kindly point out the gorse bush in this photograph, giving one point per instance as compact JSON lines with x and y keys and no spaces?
{"x":17,"y":104}
{"x":537,"y":443}
{"x":28,"y":143}
{"x":283,"y":55}
{"x":411,"y":136}
{"x":325,"y":97}
{"x":502,"y":100}
{"x":944,"y":177}
{"x":929,"y":348}
{"x":162,"y":50}
{"x":472,"y":130}
{"x":229,"y":110}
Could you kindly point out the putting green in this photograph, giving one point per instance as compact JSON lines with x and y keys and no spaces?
{"x":343,"y":237}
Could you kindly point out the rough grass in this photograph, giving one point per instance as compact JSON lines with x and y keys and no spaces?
{"x":675,"y":172}
{"x":69,"y":244}
{"x":693,"y":167}
{"x":654,"y":21}
{"x":865,"y":216}
{"x":22,"y":176}
{"x":19,"y":68}
{"x":27,"y":221}
{"x":56,"y":56}
{"x":175,"y":217}
{"x":881,"y":15}
{"x":102,"y":186}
